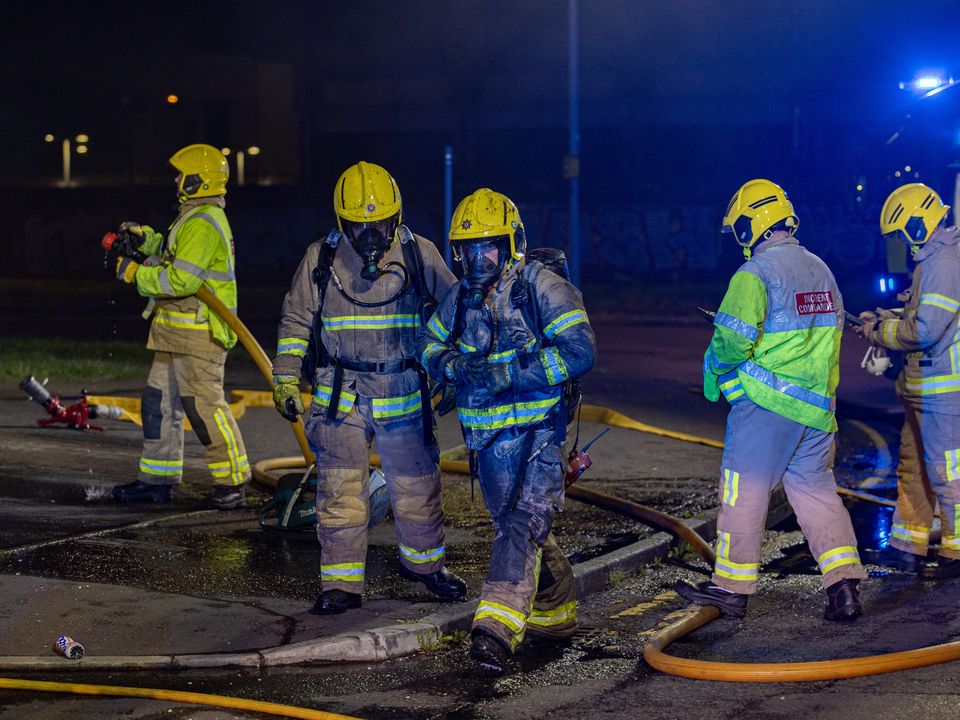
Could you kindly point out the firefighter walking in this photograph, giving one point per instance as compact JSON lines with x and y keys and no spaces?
{"x":509,"y":336}
{"x":774,"y":356}
{"x":354,"y":308}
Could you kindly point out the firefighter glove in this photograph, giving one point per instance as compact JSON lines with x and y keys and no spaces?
{"x":127,"y":270}
{"x":497,"y":378}
{"x":466,"y":369}
{"x":447,"y":401}
{"x":286,"y":397}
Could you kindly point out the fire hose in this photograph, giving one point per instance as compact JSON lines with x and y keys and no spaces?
{"x":653,"y":653}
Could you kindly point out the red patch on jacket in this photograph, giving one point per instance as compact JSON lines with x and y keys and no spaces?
{"x":815,"y":303}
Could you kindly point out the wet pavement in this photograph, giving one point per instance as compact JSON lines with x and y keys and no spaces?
{"x":209,"y":582}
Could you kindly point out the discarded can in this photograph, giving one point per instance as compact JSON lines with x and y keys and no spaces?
{"x":69,"y":648}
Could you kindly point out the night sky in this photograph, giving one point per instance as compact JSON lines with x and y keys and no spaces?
{"x":671,"y":92}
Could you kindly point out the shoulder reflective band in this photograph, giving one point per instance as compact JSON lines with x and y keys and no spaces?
{"x":940,"y":301}
{"x":565,"y":321}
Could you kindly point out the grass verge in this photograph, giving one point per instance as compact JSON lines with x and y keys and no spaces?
{"x":72,"y":360}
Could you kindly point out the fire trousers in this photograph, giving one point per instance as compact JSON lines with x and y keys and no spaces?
{"x":762,"y":449}
{"x":412,"y":472}
{"x":184,"y":385}
{"x":530,"y":584}
{"x":928,"y":473}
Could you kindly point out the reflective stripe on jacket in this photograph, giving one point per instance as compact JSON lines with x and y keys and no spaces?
{"x":199,"y":251}
{"x":929,"y":330}
{"x":351,"y":333}
{"x":777,"y":336}
{"x":499,"y":332}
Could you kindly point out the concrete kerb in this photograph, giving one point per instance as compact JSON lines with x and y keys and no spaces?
{"x":393,"y":641}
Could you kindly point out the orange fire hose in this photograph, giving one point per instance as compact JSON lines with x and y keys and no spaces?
{"x":653,"y":652}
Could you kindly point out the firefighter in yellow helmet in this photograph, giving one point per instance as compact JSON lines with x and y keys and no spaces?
{"x":190,"y":342}
{"x":509,"y":337}
{"x":775,"y":357}
{"x":352,"y":313}
{"x":927,"y":331}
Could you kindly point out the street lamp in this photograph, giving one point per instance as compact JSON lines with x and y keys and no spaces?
{"x":241,"y":156}
{"x":67,"y":149}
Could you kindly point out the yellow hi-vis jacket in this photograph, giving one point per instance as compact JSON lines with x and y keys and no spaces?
{"x":198,"y":251}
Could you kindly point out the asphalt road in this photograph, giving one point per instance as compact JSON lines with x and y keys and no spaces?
{"x":49,"y":483}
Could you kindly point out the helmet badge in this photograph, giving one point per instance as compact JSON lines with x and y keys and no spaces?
{"x":371,"y":207}
{"x":466,"y":224}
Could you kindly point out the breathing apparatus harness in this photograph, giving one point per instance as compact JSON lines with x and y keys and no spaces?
{"x":412,"y":269}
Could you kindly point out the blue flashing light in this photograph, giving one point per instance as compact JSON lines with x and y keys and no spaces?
{"x":883,"y":285}
{"x":890,"y":284}
{"x":927,"y":82}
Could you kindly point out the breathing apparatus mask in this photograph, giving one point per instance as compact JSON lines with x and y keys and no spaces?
{"x":482,"y":264}
{"x":371,"y":241}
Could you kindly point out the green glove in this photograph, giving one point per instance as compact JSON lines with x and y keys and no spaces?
{"x":286,"y":397}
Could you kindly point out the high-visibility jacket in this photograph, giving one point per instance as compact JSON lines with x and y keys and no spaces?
{"x":929,"y":330}
{"x":541,"y":359}
{"x":198,"y":251}
{"x":777,"y":336}
{"x":350,"y":333}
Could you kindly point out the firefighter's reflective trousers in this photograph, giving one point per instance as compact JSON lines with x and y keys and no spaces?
{"x":927,"y":473}
{"x":530,"y":584}
{"x":762,"y":449}
{"x":184,"y":385}
{"x":412,"y":472}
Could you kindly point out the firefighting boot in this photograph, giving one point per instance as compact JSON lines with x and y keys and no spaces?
{"x":488,"y":651}
{"x":225,"y":497}
{"x":943,"y":569}
{"x":891,"y":557}
{"x":139,"y":491}
{"x":843,"y":601}
{"x":334,"y":602}
{"x":443,"y":583}
{"x":728,"y":603}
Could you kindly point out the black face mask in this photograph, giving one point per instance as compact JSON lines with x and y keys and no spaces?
{"x":370,"y":245}
{"x":481,"y":274}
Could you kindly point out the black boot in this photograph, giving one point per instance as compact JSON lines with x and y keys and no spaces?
{"x":891,"y":557}
{"x":728,"y":603}
{"x":334,"y":602}
{"x":442,"y":583}
{"x":139,"y":491}
{"x":489,"y":651}
{"x":943,"y":569}
{"x":843,"y":601}
{"x":225,"y":497}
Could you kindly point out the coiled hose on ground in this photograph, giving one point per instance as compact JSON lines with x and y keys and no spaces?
{"x":653,"y":652}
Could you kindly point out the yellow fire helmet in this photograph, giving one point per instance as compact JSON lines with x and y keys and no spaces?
{"x":203,"y":171}
{"x":912,"y":213}
{"x":487,"y":214}
{"x":757,"y":210}
{"x":366,"y":193}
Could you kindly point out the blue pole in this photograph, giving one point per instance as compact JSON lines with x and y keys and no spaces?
{"x":572,"y":169}
{"x":447,"y":201}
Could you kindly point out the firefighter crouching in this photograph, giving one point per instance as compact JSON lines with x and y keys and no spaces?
{"x":359,"y":294}
{"x":508,"y":336}
{"x":774,"y":356}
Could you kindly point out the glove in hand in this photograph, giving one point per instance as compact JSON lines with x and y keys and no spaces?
{"x":127,"y":270}
{"x":497,"y":377}
{"x":286,"y":397}
{"x":467,"y":369}
{"x":448,"y":400}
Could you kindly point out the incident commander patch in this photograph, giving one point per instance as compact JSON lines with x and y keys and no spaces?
{"x":814,"y":303}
